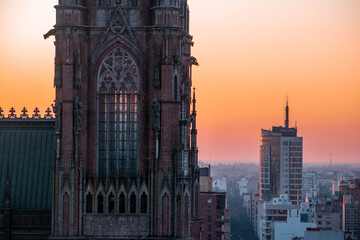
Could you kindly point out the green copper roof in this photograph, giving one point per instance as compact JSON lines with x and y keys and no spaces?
{"x":28,"y":145}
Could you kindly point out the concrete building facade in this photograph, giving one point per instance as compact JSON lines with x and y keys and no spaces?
{"x":281,"y":158}
{"x":281,"y":220}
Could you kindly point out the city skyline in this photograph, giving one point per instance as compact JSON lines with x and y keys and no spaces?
{"x":264,"y":50}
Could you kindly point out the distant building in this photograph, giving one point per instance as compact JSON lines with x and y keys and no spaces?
{"x":351,"y":205}
{"x":281,"y":158}
{"x":242,"y":186}
{"x":205,"y":179}
{"x":219,"y":184}
{"x":325,"y":218}
{"x":321,"y":234}
{"x":309,"y":184}
{"x":253,"y":212}
{"x":246,"y":197}
{"x":350,"y":215}
{"x":281,"y":220}
{"x":307,"y":212}
{"x":213,"y":209}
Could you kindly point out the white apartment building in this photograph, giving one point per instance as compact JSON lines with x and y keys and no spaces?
{"x":281,"y":220}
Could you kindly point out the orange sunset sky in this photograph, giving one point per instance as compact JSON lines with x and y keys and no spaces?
{"x":252,"y":54}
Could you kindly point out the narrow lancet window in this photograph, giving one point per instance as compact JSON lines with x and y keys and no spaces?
{"x":100,"y":203}
{"x":143,"y":203}
{"x":122,"y":203}
{"x":133,"y":203}
{"x":111,"y":203}
{"x":89,"y":203}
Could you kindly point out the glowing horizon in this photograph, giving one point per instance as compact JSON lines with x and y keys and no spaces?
{"x":252,"y":53}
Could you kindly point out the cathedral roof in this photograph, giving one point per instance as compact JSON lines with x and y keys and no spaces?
{"x":27,"y":145}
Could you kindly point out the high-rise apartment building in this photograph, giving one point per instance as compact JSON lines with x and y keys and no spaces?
{"x":281,"y":162}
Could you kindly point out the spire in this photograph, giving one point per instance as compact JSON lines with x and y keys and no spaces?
{"x":194,"y":132}
{"x":287,"y":113}
{"x":194,"y":102}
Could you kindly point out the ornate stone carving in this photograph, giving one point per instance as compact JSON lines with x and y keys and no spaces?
{"x":58,"y":69}
{"x":78,"y":69}
{"x":118,"y":68}
{"x":57,"y":112}
{"x":157,"y":71}
{"x":77,"y":114}
{"x":156,"y":108}
{"x":117,"y":25}
{"x":116,"y":225}
{"x":176,"y":59}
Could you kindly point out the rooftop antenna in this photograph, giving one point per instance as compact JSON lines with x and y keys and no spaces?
{"x":287,"y":112}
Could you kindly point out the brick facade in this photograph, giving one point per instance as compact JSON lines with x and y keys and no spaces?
{"x":141,"y":49}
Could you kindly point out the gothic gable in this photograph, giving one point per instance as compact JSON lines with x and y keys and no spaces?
{"x":118,"y":29}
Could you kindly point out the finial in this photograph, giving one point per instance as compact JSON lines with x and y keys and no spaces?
{"x":194,"y":100}
{"x":36,"y":114}
{"x":12,"y":113}
{"x":24,"y":113}
{"x":48,"y":114}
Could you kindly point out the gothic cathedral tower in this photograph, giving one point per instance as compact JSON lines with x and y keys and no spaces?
{"x":126,"y":155}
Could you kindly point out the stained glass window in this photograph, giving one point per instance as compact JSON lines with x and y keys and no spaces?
{"x":118,"y":115}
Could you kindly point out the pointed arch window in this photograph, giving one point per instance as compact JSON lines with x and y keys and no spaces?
{"x":143,"y":203}
{"x":100,"y":203}
{"x":111,"y":203}
{"x":89,"y":203}
{"x":122,"y":203}
{"x":118,"y":82}
{"x":133,"y":203}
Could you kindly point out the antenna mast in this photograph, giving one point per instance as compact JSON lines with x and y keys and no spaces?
{"x":287,"y":113}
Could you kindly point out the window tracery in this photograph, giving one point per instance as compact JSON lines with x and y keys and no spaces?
{"x":118,"y":114}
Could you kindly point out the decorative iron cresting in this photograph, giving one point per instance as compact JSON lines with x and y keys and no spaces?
{"x":24,"y":114}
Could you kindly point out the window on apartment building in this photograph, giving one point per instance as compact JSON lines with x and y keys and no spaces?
{"x":209,"y":237}
{"x":209,"y":219}
{"x":209,"y":228}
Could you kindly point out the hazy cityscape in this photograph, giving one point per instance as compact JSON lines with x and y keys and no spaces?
{"x":179,"y":119}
